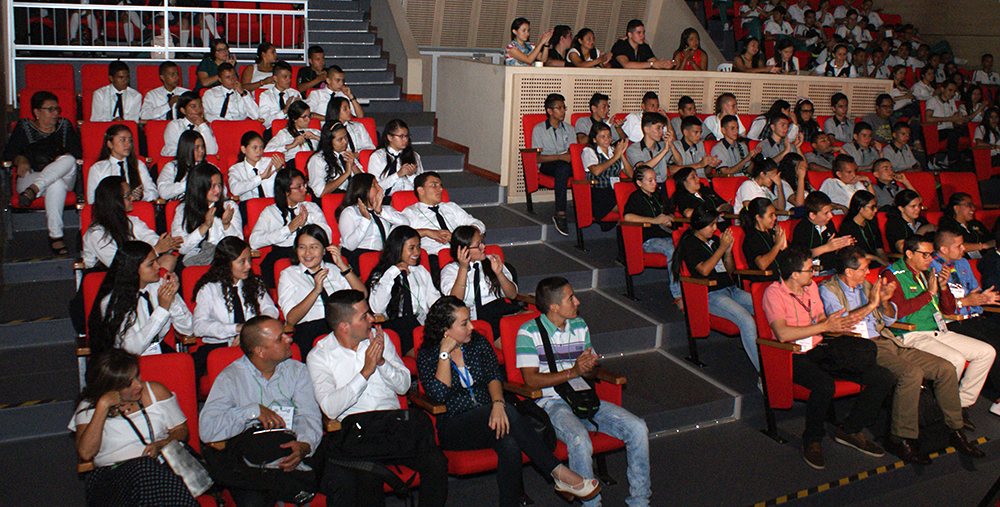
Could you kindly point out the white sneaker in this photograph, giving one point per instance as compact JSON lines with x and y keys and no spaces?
{"x":995,"y":408}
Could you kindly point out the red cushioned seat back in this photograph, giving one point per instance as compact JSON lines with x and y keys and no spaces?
{"x":176,"y":373}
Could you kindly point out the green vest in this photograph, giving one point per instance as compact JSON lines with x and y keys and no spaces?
{"x":913,"y":286}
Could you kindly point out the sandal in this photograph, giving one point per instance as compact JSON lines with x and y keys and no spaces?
{"x":24,"y":199}
{"x":58,"y":250}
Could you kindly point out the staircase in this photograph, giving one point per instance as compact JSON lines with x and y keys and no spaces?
{"x":722,"y":37}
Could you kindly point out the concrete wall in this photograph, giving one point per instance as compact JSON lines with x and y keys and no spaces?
{"x":397,"y":39}
{"x":665,"y":21}
{"x":970,"y":25}
{"x":471,"y":109}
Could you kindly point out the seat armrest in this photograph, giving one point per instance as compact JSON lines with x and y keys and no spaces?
{"x":82,"y":351}
{"x":78,"y":266}
{"x":991,"y":308}
{"x":531,"y":150}
{"x":425,"y":402}
{"x":700,"y":281}
{"x":218,"y":446}
{"x":845,"y":333}
{"x":289,"y":329}
{"x":754,"y":272}
{"x":330,"y":425}
{"x":380,"y":318}
{"x":187,"y":340}
{"x":84,"y":467}
{"x":951,"y":316}
{"x":255,"y":254}
{"x":903,"y":326}
{"x":525,"y":298}
{"x":783,"y":213}
{"x":794,"y":347}
{"x":730,"y":216}
{"x":627,"y":223}
{"x":609,"y":376}
{"x":523,"y":390}
{"x":582,"y":182}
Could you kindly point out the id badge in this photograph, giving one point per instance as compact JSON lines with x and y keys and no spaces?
{"x":578,"y":384}
{"x":939,"y":319}
{"x":861,"y":328}
{"x":287,"y":414}
{"x":614,"y":180}
{"x":815,"y":262}
{"x":720,"y":267}
{"x":153,"y":349}
{"x":957,"y":290}
{"x":805,"y":343}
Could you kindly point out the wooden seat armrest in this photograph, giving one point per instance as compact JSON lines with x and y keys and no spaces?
{"x":531,"y":150}
{"x":330,"y":425}
{"x":84,"y":467}
{"x":522,"y":390}
{"x":187,"y":340}
{"x":425,"y":402}
{"x":754,"y":272}
{"x":582,"y":182}
{"x":982,"y":148}
{"x":794,"y":347}
{"x":255,"y":254}
{"x":990,"y":206}
{"x":700,"y":281}
{"x":218,"y":446}
{"x":525,"y":298}
{"x":79,"y":266}
{"x":951,"y":316}
{"x":903,"y":326}
{"x":783,"y":213}
{"x":991,"y":308}
{"x":609,"y":376}
{"x":379,"y":318}
{"x":83,"y":351}
{"x":682,"y":220}
{"x":160,"y":201}
{"x":894,"y":255}
{"x":730,"y":216}
{"x":846,"y":333}
{"x":289,"y":329}
{"x":629,"y":223}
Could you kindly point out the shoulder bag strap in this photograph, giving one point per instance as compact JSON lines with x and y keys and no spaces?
{"x":549,"y":355}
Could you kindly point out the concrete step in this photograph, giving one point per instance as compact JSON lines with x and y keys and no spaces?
{"x":30,"y":301}
{"x":333,"y":15}
{"x":396,"y":106}
{"x":342,"y":37}
{"x":376,"y":91}
{"x":537,"y":261}
{"x":470,"y":190}
{"x":34,"y":220}
{"x":34,"y":245}
{"x":434,"y":157}
{"x":335,"y":51}
{"x":324,"y":23}
{"x":421,"y":124}
{"x":39,"y":271}
{"x":339,"y":7}
{"x":359,"y":64}
{"x":38,"y":361}
{"x":368,"y":77}
{"x":506,"y":227}
{"x":28,"y":433}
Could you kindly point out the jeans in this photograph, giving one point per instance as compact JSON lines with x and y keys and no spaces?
{"x":664,"y":246}
{"x":53,"y":182}
{"x":612,"y":420}
{"x":561,"y":171}
{"x":736,"y":305}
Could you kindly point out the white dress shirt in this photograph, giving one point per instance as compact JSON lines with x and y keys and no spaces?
{"x":981,"y":77}
{"x":882,"y":72}
{"x":213,"y":321}
{"x":192,"y":240}
{"x":420,"y":216}
{"x":772,"y":27}
{"x":317,"y":168}
{"x":711,"y":124}
{"x":632,"y":127}
{"x":100,"y":248}
{"x":392,"y":182}
{"x":922,"y":91}
{"x":172,"y":135}
{"x":318,"y":99}
{"x":794,"y":63}
{"x":356,"y":231}
{"x":841,"y":193}
{"x":295,"y":283}
{"x":102,"y":106}
{"x":982,"y":135}
{"x":938,"y":109}
{"x":269,"y":105}
{"x":110,"y":167}
{"x":750,"y":190}
{"x":422,"y":292}
{"x":893,"y":60}
{"x":450,"y":272}
{"x":151,"y":327}
{"x":358,"y":134}
{"x":270,"y":229}
{"x":797,"y":14}
{"x":156,"y":103}
{"x":166,"y":186}
{"x":342,"y":390}
{"x":283,"y":138}
{"x":240,"y":108}
{"x":245,"y":181}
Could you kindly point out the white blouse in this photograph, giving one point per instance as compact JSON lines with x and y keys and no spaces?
{"x":166,"y":186}
{"x":172,"y":135}
{"x":271,"y":229}
{"x":392,"y":182}
{"x":421,"y":289}
{"x":283,"y":138}
{"x":295,"y":283}
{"x":244,"y":179}
{"x":213,"y":321}
{"x":270,"y":106}
{"x":317,"y":168}
{"x":419,"y":216}
{"x":150,"y":328}
{"x":358,"y":134}
{"x":356,"y":231}
{"x":449,"y":274}
{"x":991,"y":139}
{"x":192,"y":240}
{"x":110,"y":167}
{"x":100,"y":248}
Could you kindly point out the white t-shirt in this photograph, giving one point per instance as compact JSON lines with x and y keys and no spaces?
{"x":991,"y":139}
{"x":750,"y":190}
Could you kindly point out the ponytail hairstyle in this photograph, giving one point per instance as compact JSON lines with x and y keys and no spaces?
{"x":859,"y":200}
{"x":196,"y":204}
{"x":245,"y":141}
{"x":760,"y":165}
{"x":902,"y":199}
{"x":702,"y":216}
{"x":392,"y":253}
{"x":121,"y":284}
{"x":296,"y":110}
{"x":185,"y":153}
{"x":283,"y":180}
{"x":358,"y":188}
{"x":462,"y":237}
{"x":131,"y":161}
{"x":786,"y":168}
{"x":517,"y":25}
{"x":264,"y":47}
{"x":221,"y":272}
{"x":108,"y":211}
{"x":757,"y":208}
{"x":316,"y":232}
{"x":407,"y":156}
{"x":954,"y":200}
{"x":577,"y":43}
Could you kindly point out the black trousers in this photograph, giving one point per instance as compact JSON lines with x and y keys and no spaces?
{"x":877,"y":381}
{"x":951,"y":137}
{"x":983,"y":328}
{"x":562,"y":171}
{"x":307,"y":332}
{"x":345,"y":487}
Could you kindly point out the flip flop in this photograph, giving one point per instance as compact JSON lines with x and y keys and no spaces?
{"x":24,"y":199}
{"x":62,"y":250}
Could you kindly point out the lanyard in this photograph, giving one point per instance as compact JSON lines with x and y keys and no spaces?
{"x":279,"y":392}
{"x":149,"y":424}
{"x":466,"y":377}
{"x":659,"y":207}
{"x":416,"y":294}
{"x":923,"y":285}
{"x":864,"y":236}
{"x":808,"y":308}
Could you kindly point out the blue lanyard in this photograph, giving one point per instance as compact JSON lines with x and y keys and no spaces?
{"x":466,"y":379}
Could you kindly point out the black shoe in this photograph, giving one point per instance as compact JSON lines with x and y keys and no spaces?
{"x":958,"y":441}
{"x":966,"y":421}
{"x":813,"y":454}
{"x":561,"y":226}
{"x":906,"y":452}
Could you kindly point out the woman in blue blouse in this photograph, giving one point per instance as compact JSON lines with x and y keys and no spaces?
{"x":459,"y":368}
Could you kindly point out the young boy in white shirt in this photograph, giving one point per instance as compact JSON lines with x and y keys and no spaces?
{"x":190,"y":116}
{"x":633,"y":122}
{"x":986,"y":75}
{"x":159,"y":102}
{"x":864,"y":150}
{"x":116,"y":101}
{"x":335,"y":86}
{"x":274,"y":101}
{"x":777,"y":26}
{"x":229,"y":101}
{"x":689,"y":150}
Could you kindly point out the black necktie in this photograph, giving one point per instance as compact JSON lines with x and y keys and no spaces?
{"x":323,"y":295}
{"x":170,"y":109}
{"x":309,"y":144}
{"x":238,"y":316}
{"x":378,"y":223}
{"x":281,"y":100}
{"x":350,"y":142}
{"x":440,"y":217}
{"x":260,"y":188}
{"x":149,"y":304}
{"x":192,"y":126}
{"x":121,"y":169}
{"x":225,"y":106}
{"x":477,"y":293}
{"x":343,"y":163}
{"x":390,"y":160}
{"x":407,"y":297}
{"x":119,"y":107}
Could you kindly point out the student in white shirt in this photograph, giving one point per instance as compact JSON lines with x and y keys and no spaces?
{"x":775,"y":27}
{"x":364,"y":222}
{"x":296,"y":136}
{"x":191,"y":116}
{"x":943,"y":111}
{"x":864,"y":150}
{"x":733,"y":155}
{"x":725,"y":105}
{"x":923,"y":89}
{"x":335,"y":87}
{"x":986,"y":75}
{"x":395,"y":163}
{"x":600,"y":109}
{"x":854,"y":33}
{"x":797,"y":11}
{"x":260,"y":74}
{"x":205,"y":217}
{"x":229,"y":101}
{"x":253,"y":175}
{"x":172,"y":180}
{"x":111,"y":226}
{"x":473,"y":267}
{"x":787,"y":62}
{"x":583,"y":52}
{"x":632,"y":126}
{"x":400,"y":288}
{"x":839,"y":65}
{"x":276,"y":100}
{"x":839,"y":126}
{"x":226,"y":296}
{"x":116,"y":101}
{"x":846,"y":182}
{"x":765,"y":181}
{"x":902,"y":57}
{"x":823,"y":14}
{"x":333,"y":164}
{"x":358,"y":137}
{"x":604,"y":166}
{"x":277,"y":224}
{"x":134,"y":307}
{"x":158,"y":104}
{"x":987,"y":134}
{"x":876,"y":68}
{"x":118,"y":157}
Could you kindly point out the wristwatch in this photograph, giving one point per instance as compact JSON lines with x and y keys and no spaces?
{"x":444,"y":355}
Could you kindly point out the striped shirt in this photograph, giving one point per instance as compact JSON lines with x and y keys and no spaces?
{"x":567,"y":345}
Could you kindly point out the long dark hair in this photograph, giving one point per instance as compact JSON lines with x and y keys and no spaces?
{"x":185,"y":153}
{"x":296,"y":110}
{"x":333,"y":166}
{"x":196,"y":203}
{"x":773,"y":115}
{"x":247,"y":138}
{"x":702,"y":216}
{"x":108,"y":210}
{"x":595,"y":129}
{"x":131,"y":160}
{"x":440,"y":318}
{"x":786,"y":168}
{"x":358,"y":188}
{"x":407,"y":156}
{"x":748,"y":215}
{"x":684,"y":39}
{"x":859,"y":200}
{"x":579,"y":47}
{"x":987,"y":128}
{"x":759,"y":165}
{"x":282,"y":185}
{"x":111,"y":370}
{"x":392,"y":253}
{"x":261,"y":49}
{"x":121,"y":283}
{"x":954,"y":200}
{"x":902,"y":199}
{"x":221,"y":272}
{"x":314,"y":231}
{"x":462,"y":237}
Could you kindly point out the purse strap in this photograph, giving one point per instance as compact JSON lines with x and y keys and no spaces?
{"x":149,"y":424}
{"x":549,"y":354}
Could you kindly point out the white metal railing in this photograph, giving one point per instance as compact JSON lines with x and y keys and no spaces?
{"x":491,"y":54}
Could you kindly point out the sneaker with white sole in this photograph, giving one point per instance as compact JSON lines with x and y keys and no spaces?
{"x":995,"y":408}
{"x":562,"y":227}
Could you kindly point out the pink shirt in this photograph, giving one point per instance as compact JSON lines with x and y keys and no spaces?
{"x":799,"y":311}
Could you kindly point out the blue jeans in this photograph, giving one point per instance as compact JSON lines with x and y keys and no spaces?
{"x":612,"y":420}
{"x":735,"y":305}
{"x":664,"y":246}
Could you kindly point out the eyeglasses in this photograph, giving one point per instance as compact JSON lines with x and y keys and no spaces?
{"x":401,"y":136}
{"x":54,"y":109}
{"x":927,"y":255}
{"x":297,"y":187}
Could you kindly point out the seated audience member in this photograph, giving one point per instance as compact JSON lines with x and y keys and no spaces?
{"x":710,"y":257}
{"x":306,"y":285}
{"x":649,"y":204}
{"x":902,"y":57}
{"x":859,"y":223}
{"x":829,"y":47}
{"x":904,"y":220}
{"x":943,"y":111}
{"x":779,"y":142}
{"x":725,"y":105}
{"x":888,"y":184}
{"x":278,"y":223}
{"x":42,"y":151}
{"x":364,"y":222}
{"x":554,"y":137}
{"x":600,"y":111}
{"x":776,"y":27}
{"x":751,"y":59}
{"x":296,"y":136}
{"x":333,"y":164}
{"x":205,"y":216}
{"x":864,"y":150}
{"x":159,"y":103}
{"x":480,"y":280}
{"x":733,"y":155}
{"x":881,"y":120}
{"x":898,"y":152}
{"x":112,"y":226}
{"x":519,"y":51}
{"x":604,"y":166}
{"x":689,"y":150}
{"x":873,"y":305}
{"x":126,"y":464}
{"x":633,"y":122}
{"x":116,"y":101}
{"x":319,"y":100}
{"x":275,"y":100}
{"x":973,"y":102}
{"x":765,"y":181}
{"x":559,"y":44}
{"x":226,"y":296}
{"x":844,"y":184}
{"x":252,"y":175}
{"x":584,"y":53}
{"x":763,"y":240}
{"x":229,"y":101}
{"x":839,"y":126}
{"x":783,"y":302}
{"x":561,"y":326}
{"x":876,"y":68}
{"x":457,"y":363}
{"x":793,"y":170}
{"x":357,"y":135}
{"x":395,"y":163}
{"x":632,"y":52}
{"x":400,"y":287}
{"x":823,"y":154}
{"x":264,"y":389}
{"x":986,"y":75}
{"x":761,"y":128}
{"x":920,"y":297}
{"x":960,"y":215}
{"x":784,"y":59}
{"x":190,"y":153}
{"x":689,"y":55}
{"x":313,"y":76}
{"x":689,"y":193}
{"x":838,"y":66}
{"x":854,"y":34}
{"x":436,"y":220}
{"x":190,"y":116}
{"x":901,"y":94}
{"x":796,"y":12}
{"x":753,"y":14}
{"x":810,"y":33}
{"x":817,"y":233}
{"x":654,"y":149}
{"x":260,"y":74}
{"x":356,"y":371}
{"x":924,"y":88}
{"x":208,"y":69}
{"x":135,"y":308}
{"x":823,"y":15}
{"x":987,"y":135}
{"x":118,"y":158}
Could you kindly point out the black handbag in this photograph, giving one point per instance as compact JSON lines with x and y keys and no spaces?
{"x":536,"y":418}
{"x":258,"y":446}
{"x":44,"y":151}
{"x":241,"y":465}
{"x":847,"y":355}
{"x":584,"y":403}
